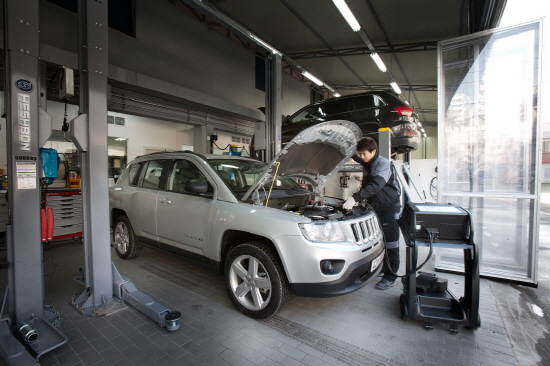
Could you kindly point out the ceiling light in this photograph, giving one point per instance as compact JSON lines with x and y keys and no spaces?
{"x":336,"y":95}
{"x":425,"y":135}
{"x":312,"y":78}
{"x":379,"y":62}
{"x":347,"y":14}
{"x":395,"y":87}
{"x":120,"y":139}
{"x":419,"y":124}
{"x":264,"y":44}
{"x":422,"y":129}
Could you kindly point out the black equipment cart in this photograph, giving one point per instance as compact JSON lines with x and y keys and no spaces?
{"x":425,"y":296}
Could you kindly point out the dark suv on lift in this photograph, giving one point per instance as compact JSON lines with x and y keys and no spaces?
{"x":370,"y":110}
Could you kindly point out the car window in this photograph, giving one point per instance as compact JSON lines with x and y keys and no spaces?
{"x":132,"y":171}
{"x":307,"y":114}
{"x":150,"y":174}
{"x":181,"y":172}
{"x":241,"y":174}
{"x":335,"y":107}
{"x":364,"y":102}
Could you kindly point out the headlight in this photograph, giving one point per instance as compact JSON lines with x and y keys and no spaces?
{"x":323,"y":232}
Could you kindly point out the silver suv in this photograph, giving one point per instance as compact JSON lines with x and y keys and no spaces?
{"x":266,"y":227}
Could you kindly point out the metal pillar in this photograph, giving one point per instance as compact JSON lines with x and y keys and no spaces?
{"x":273,"y":102}
{"x":384,"y":143}
{"x":202,"y":138}
{"x":22,"y":75}
{"x":89,"y":131}
{"x":23,"y":313}
{"x":89,"y":134}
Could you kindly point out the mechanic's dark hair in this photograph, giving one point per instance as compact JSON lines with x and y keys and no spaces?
{"x":368,"y":144}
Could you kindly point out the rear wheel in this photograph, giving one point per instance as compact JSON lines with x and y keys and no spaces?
{"x":124,"y":239}
{"x":255,"y":280}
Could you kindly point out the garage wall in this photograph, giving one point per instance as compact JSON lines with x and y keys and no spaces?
{"x":173,"y":47}
{"x":428,"y":146}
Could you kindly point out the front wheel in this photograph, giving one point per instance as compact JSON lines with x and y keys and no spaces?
{"x":124,"y":240}
{"x":255,"y":280}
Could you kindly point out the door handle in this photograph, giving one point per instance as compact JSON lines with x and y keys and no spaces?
{"x":164,"y":200}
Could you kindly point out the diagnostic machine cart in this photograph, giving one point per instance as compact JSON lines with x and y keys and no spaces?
{"x":425,"y":296}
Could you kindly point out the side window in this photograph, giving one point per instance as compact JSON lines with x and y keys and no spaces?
{"x":181,"y":172}
{"x":132,"y":171}
{"x":150,"y":174}
{"x":335,"y":107}
{"x":365,"y":101}
{"x":378,"y":101}
{"x":307,"y":114}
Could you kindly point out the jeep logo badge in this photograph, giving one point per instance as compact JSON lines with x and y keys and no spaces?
{"x":24,"y":85}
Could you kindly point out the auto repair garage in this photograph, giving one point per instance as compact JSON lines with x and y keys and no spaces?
{"x":181,"y":182}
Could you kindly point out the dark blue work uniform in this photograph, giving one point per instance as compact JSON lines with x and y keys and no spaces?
{"x":381,"y":189}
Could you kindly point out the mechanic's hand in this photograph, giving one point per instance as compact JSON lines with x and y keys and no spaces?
{"x":350,"y":202}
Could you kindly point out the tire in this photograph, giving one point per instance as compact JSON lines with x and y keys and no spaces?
{"x":124,"y":240}
{"x":255,"y":280}
{"x":403,"y":303}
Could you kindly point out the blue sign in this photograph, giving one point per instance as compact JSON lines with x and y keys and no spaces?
{"x":24,"y":85}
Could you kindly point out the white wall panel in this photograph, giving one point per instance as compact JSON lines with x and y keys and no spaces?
{"x":173,"y":47}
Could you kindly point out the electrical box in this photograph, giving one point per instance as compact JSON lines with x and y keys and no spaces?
{"x":451,"y":222}
{"x":259,"y":136}
{"x":66,"y":83}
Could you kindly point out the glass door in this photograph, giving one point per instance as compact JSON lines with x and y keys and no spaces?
{"x":489,"y":155}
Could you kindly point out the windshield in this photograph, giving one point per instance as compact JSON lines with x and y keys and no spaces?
{"x":241,"y":174}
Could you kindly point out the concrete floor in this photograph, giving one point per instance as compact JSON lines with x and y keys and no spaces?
{"x":362,"y":328}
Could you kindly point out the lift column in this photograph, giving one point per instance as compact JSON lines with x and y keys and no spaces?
{"x":89,"y":133}
{"x":273,"y":101}
{"x":23,"y":312}
{"x":24,"y":241}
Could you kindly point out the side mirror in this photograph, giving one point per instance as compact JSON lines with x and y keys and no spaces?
{"x":196,"y":186}
{"x":286,"y":120}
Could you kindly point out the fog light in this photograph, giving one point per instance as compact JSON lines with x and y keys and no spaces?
{"x":327,"y":267}
{"x":331,"y":266}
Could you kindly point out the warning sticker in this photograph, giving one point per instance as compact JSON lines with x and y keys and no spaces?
{"x":26,"y":175}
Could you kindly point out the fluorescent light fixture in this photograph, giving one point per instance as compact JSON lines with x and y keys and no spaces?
{"x":120,"y":139}
{"x":312,"y":78}
{"x":263,"y":43}
{"x":425,"y":135}
{"x":395,"y":87}
{"x":419,"y":124}
{"x":378,"y":62}
{"x":337,"y":95}
{"x":422,"y":129}
{"x":347,"y":14}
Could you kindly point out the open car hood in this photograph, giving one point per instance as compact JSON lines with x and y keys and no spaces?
{"x":313,"y":155}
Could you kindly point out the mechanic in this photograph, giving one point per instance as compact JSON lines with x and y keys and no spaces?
{"x":382,"y":191}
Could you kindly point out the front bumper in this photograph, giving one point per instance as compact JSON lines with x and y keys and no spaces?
{"x":357,"y":275}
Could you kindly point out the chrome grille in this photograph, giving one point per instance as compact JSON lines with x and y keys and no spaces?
{"x":365,"y":230}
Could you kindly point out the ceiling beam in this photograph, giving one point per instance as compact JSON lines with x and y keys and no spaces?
{"x":320,"y":38}
{"x":357,"y":51}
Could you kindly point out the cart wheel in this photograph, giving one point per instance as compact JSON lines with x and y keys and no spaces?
{"x":478,"y":324}
{"x":403,"y":302}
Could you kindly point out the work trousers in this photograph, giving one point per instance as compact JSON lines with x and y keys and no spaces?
{"x":390,"y":228}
